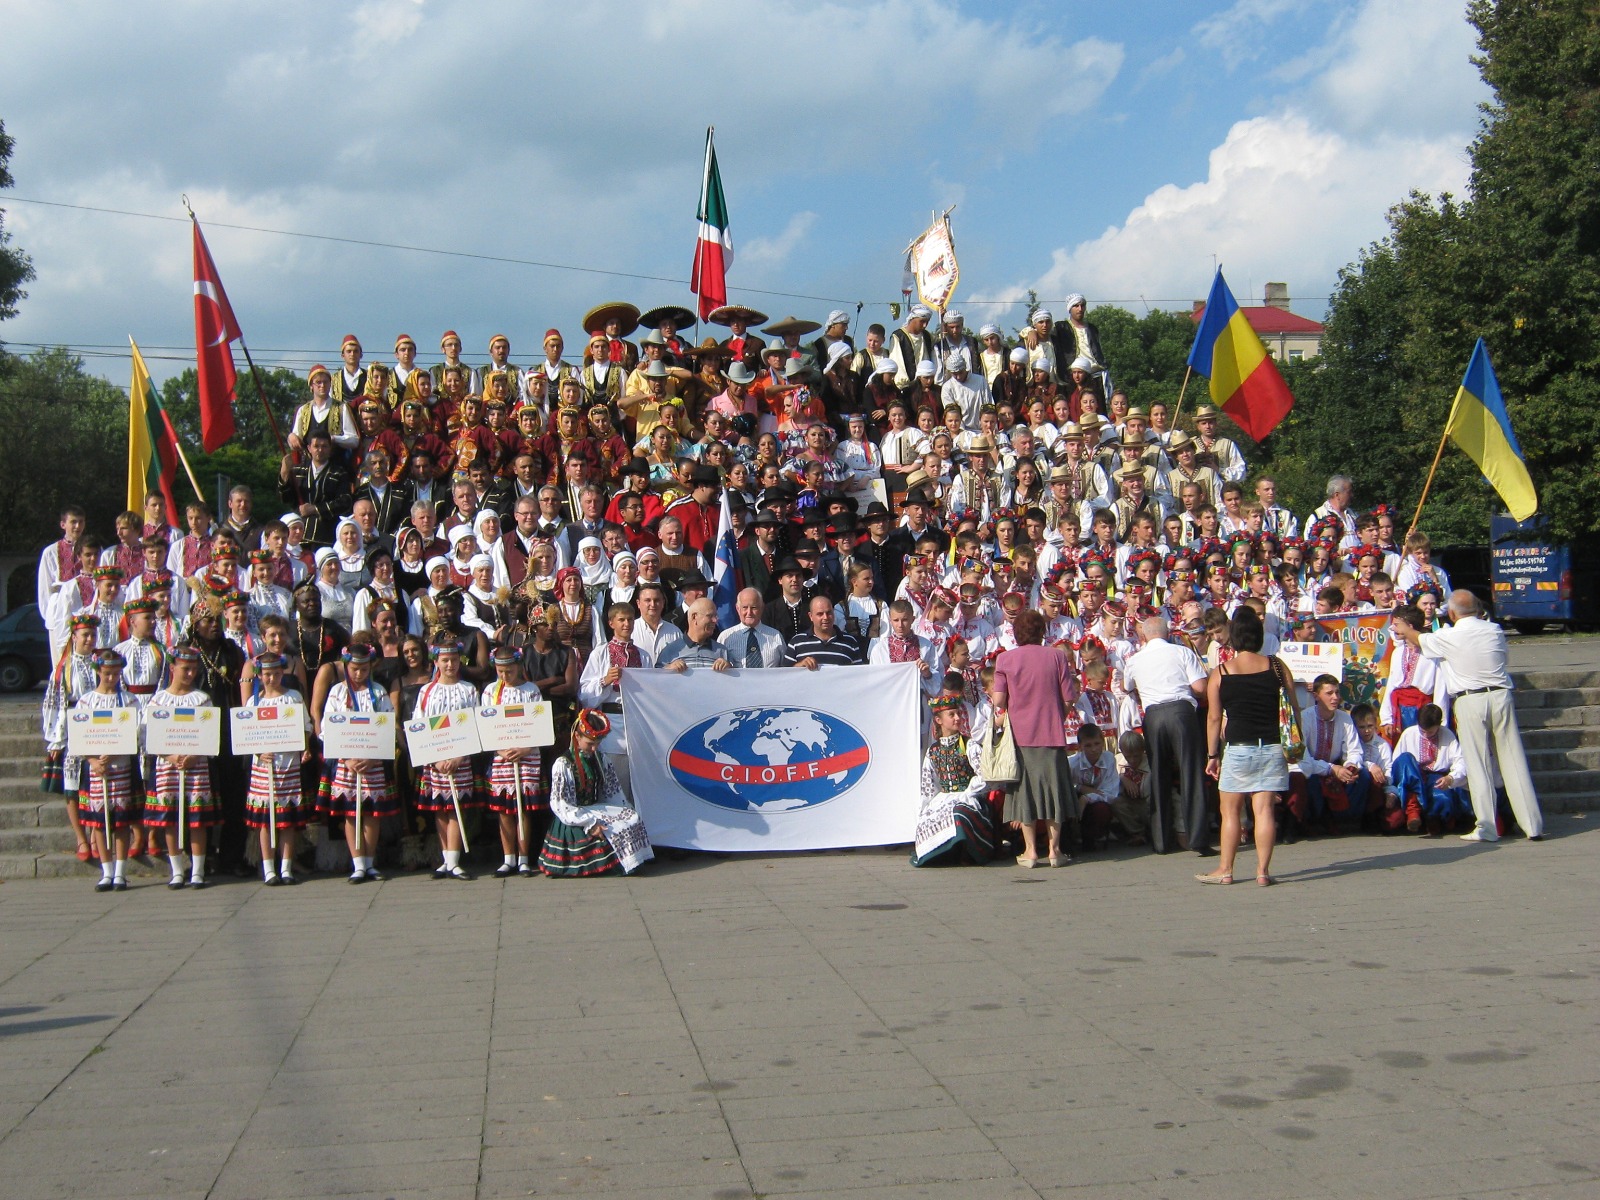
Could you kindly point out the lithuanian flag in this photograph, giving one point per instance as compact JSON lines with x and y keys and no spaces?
{"x":1244,"y":379}
{"x":152,"y":445}
{"x":1480,"y":426}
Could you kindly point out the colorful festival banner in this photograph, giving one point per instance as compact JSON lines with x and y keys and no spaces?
{"x":1367,"y":643}
{"x":783,"y":759}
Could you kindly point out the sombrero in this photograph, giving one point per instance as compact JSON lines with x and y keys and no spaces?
{"x":596,"y":319}
{"x":792,"y":325}
{"x":679,"y":316}
{"x":729,"y":313}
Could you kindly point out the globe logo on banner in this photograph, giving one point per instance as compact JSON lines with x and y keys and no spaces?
{"x":769,"y":759}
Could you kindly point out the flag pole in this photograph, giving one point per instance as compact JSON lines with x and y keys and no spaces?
{"x":1437,"y":455}
{"x":261,"y":391}
{"x":1177,"y":408}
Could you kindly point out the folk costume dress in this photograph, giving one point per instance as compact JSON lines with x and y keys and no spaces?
{"x":337,"y":793}
{"x":438,"y":788}
{"x":584,"y":792}
{"x":953,"y":811}
{"x":505,"y":778}
{"x":73,"y":678}
{"x":119,"y":788}
{"x":275,"y":779}
{"x":199,"y":800}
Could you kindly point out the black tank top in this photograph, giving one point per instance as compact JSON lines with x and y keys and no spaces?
{"x":1250,"y":702}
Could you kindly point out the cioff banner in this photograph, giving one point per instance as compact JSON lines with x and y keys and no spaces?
{"x":782,"y":759}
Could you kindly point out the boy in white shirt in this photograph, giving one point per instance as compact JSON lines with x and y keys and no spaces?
{"x":1431,"y":774}
{"x":1328,"y":788}
{"x":1094,"y":775}
{"x":1379,"y":768}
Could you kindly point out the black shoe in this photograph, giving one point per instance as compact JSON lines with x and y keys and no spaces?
{"x":441,"y":872}
{"x":197,"y":884}
{"x":375,"y":875}
{"x":358,"y":877}
{"x":175,"y":884}
{"x":1537,"y":837}
{"x":289,"y":880}
{"x":103,"y":885}
{"x":271,"y":881}
{"x":462,"y":874}
{"x":119,"y":885}
{"x":527,"y":869}
{"x":504,"y":871}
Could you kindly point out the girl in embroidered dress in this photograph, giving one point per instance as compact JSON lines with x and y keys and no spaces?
{"x":953,"y":825}
{"x":190,"y":773}
{"x":514,"y":773}
{"x":73,"y":678}
{"x":113,"y":801}
{"x":444,"y":784}
{"x":276,"y":799}
{"x":357,"y":693}
{"x":593,"y":829}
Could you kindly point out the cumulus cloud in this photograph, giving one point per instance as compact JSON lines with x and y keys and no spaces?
{"x":769,"y":252}
{"x":1295,"y":194}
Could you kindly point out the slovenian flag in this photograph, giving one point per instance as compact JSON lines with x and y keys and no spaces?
{"x":713,"y":248}
{"x":1244,"y":379}
{"x":1481,"y":427}
{"x":356,"y":720}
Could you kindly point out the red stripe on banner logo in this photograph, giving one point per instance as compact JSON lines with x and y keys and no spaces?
{"x":739,"y":774}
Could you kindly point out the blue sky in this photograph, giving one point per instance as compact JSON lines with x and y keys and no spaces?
{"x":1108,"y":148}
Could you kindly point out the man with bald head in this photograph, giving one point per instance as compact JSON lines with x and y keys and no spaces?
{"x":701,"y":648}
{"x":1477,"y":674}
{"x":1169,"y":679}
{"x":750,"y":643}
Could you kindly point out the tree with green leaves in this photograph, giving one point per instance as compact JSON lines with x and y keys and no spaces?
{"x":16,"y":268}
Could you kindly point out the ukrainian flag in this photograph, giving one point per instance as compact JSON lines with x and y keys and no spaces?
{"x":1480,"y":426}
{"x":1245,"y":382}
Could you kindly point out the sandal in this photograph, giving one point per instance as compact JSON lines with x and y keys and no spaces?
{"x":1265,"y":880}
{"x":1222,"y":879}
{"x":1025,"y":862}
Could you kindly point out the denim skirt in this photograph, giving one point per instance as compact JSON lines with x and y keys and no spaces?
{"x":1256,"y":767}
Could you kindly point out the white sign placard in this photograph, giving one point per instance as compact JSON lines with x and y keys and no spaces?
{"x":271,"y":727}
{"x":1307,"y":660}
{"x":358,"y":735}
{"x":195,"y":731}
{"x":102,"y":731}
{"x":515,"y":726}
{"x":782,"y":759}
{"x":447,"y":735}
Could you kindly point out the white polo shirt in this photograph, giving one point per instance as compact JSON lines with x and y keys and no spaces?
{"x":1473,"y":652}
{"x":1161,"y":672}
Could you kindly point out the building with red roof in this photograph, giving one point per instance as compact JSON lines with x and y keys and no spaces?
{"x":1289,"y":336}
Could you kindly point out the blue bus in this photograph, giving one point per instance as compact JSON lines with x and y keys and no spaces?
{"x":1538,"y":582}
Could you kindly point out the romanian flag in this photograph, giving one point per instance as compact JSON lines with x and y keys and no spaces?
{"x":1480,"y":426}
{"x":1245,"y":382}
{"x":152,"y":445}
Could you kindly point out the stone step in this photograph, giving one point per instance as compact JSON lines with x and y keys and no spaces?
{"x":65,"y":865}
{"x":1556,"y":697}
{"x":1541,"y":679}
{"x":1557,"y":718}
{"x":22,"y":767}
{"x":37,"y":840}
{"x":1567,"y":802}
{"x":21,"y":743}
{"x":41,"y":811}
{"x":1569,"y":737}
{"x":1566,"y":782}
{"x":1550,"y":762}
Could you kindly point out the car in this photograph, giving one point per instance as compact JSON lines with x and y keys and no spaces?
{"x":24,"y":649}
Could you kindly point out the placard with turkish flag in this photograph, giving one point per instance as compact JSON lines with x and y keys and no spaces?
{"x":214,"y":329}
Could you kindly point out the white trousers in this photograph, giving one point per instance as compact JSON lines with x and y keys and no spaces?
{"x":1486,"y":719}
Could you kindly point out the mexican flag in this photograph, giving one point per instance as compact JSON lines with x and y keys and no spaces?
{"x":152,"y":445}
{"x":713,"y":250}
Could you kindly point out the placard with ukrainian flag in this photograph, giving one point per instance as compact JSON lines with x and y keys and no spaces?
{"x":103,"y":731}
{"x":182,"y":730}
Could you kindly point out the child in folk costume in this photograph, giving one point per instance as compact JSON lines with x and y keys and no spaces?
{"x":514,"y":774}
{"x":275,"y":800}
{"x":188,"y":773}
{"x":73,"y":678}
{"x":113,"y":800}
{"x":593,"y":829}
{"x":1430,"y":773}
{"x":954,"y":824}
{"x":1414,"y":681}
{"x":347,"y":779}
{"x":446,"y":785}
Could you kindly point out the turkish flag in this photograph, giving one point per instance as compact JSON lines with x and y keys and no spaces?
{"x":214,"y":329}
